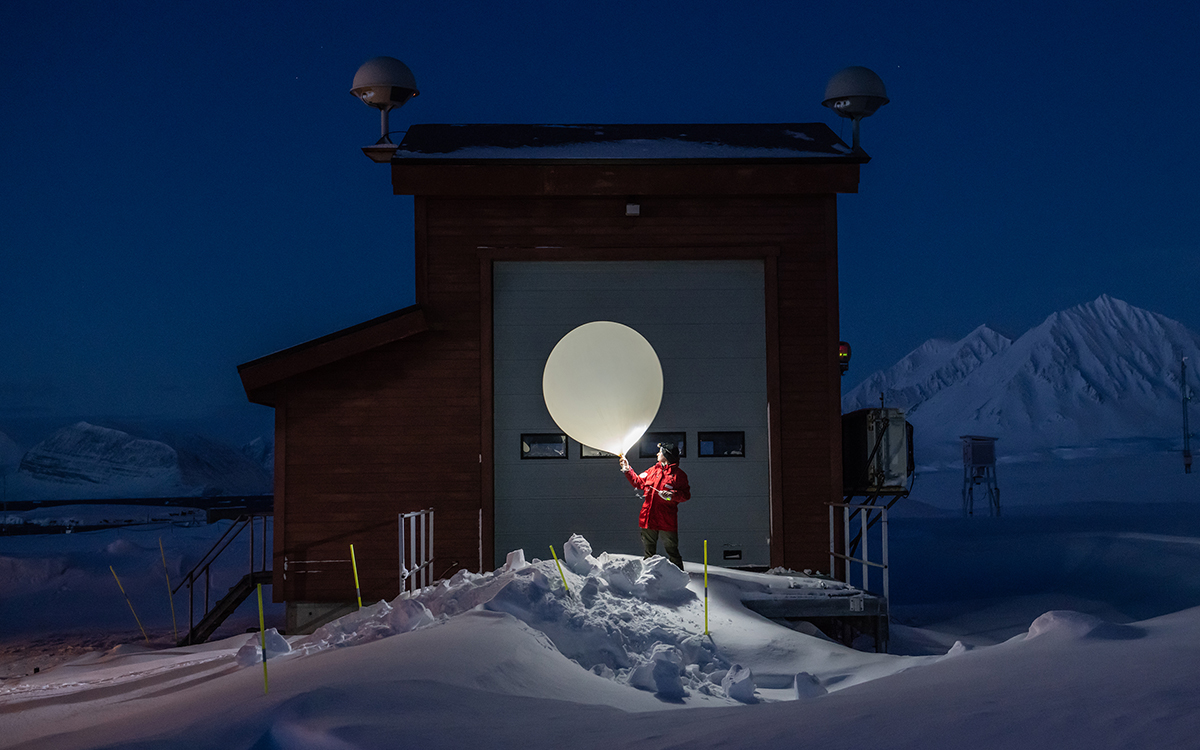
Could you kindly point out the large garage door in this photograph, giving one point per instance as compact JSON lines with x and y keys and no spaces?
{"x":706,"y":320}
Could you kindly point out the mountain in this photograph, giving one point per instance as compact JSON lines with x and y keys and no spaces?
{"x":262,"y":453}
{"x":933,"y":366}
{"x":10,"y":454}
{"x":86,"y":461}
{"x":1102,"y":373}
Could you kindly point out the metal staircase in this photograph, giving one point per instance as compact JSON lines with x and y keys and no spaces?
{"x":211,"y":616}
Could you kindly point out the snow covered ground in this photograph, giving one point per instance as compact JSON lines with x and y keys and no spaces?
{"x":1047,"y":628}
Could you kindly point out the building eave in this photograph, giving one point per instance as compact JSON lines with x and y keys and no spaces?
{"x":260,"y":377}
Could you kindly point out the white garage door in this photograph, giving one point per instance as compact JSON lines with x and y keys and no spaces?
{"x":706,"y":321}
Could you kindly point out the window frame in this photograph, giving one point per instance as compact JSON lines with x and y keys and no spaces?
{"x":538,"y":438}
{"x":700,"y":444}
{"x":654,"y":438}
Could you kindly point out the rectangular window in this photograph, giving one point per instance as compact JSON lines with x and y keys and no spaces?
{"x":586,"y":451}
{"x":543,"y":445}
{"x":648,"y":448}
{"x":721,"y":444}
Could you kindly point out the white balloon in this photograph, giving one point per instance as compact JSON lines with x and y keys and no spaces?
{"x":603,"y":385}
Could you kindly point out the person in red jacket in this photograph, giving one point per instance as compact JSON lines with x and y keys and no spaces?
{"x":665,"y":485}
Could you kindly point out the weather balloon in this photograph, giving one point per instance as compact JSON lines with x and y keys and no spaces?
{"x":603,"y":385}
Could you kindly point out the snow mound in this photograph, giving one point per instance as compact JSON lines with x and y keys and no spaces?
{"x":1079,"y":626}
{"x":380,"y":620}
{"x":607,"y":618}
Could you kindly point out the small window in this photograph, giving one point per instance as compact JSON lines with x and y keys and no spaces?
{"x":648,"y":448}
{"x":721,"y":444}
{"x":587,"y":451}
{"x":543,"y":445}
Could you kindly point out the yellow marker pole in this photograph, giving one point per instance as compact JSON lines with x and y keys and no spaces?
{"x":135,"y":617}
{"x":170,"y":598}
{"x":354,"y":564}
{"x":262,"y":630}
{"x":706,"y":587}
{"x":560,"y":573}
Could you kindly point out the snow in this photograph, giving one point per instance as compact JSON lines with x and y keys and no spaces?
{"x":1046,"y":655}
{"x":87,"y":461}
{"x":1070,"y":622}
{"x":1098,"y":379}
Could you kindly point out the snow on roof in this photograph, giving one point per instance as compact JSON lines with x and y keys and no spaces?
{"x":624,"y":142}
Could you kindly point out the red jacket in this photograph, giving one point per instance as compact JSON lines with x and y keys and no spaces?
{"x":658,"y":513}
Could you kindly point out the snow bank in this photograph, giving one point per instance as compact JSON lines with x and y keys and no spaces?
{"x":1078,"y":626}
{"x":617,"y":615}
{"x":512,"y":659}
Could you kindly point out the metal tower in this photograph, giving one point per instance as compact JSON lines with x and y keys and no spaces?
{"x":979,"y":469}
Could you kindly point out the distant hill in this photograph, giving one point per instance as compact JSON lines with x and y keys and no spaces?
{"x":1104,"y":376}
{"x":87,"y":461}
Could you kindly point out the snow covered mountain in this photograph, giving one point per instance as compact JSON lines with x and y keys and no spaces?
{"x":1098,"y":374}
{"x":10,"y":454}
{"x":262,"y":453}
{"x":85,"y":461}
{"x":931,"y":367}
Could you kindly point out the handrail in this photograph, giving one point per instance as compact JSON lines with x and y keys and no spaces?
{"x":204,"y":566}
{"x":230,"y":534}
{"x":848,"y":555}
{"x":416,"y":557}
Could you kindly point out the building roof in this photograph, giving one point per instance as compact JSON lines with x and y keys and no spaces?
{"x":671,"y":142}
{"x":260,"y":375}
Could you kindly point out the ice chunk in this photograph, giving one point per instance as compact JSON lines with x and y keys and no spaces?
{"x":661,"y":580}
{"x":577,"y":554}
{"x":515,"y":560}
{"x":661,"y":674}
{"x":807,"y":686}
{"x":251,"y":651}
{"x":739,"y":684}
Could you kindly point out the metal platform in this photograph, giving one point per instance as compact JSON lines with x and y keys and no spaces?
{"x":837,"y":609}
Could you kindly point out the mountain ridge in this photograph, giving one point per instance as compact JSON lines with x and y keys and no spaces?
{"x":1101,"y":372}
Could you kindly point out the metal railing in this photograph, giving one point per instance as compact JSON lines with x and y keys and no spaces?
{"x":416,"y":554}
{"x":868,"y":516}
{"x":203,"y":569}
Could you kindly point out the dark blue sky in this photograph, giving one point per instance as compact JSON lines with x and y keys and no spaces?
{"x":183,"y":189}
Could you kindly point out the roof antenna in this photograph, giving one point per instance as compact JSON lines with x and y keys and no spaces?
{"x":855,"y":92}
{"x":384,"y":83}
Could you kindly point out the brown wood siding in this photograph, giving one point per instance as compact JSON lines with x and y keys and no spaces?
{"x":389,"y":431}
{"x":809,"y":401}
{"x":408,"y":425}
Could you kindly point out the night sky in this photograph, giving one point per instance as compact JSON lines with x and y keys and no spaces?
{"x":183,"y":189}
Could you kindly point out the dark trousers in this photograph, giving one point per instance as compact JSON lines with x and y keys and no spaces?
{"x":670,"y":544}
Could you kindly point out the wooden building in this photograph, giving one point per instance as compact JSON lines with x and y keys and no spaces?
{"x":718,"y":243}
